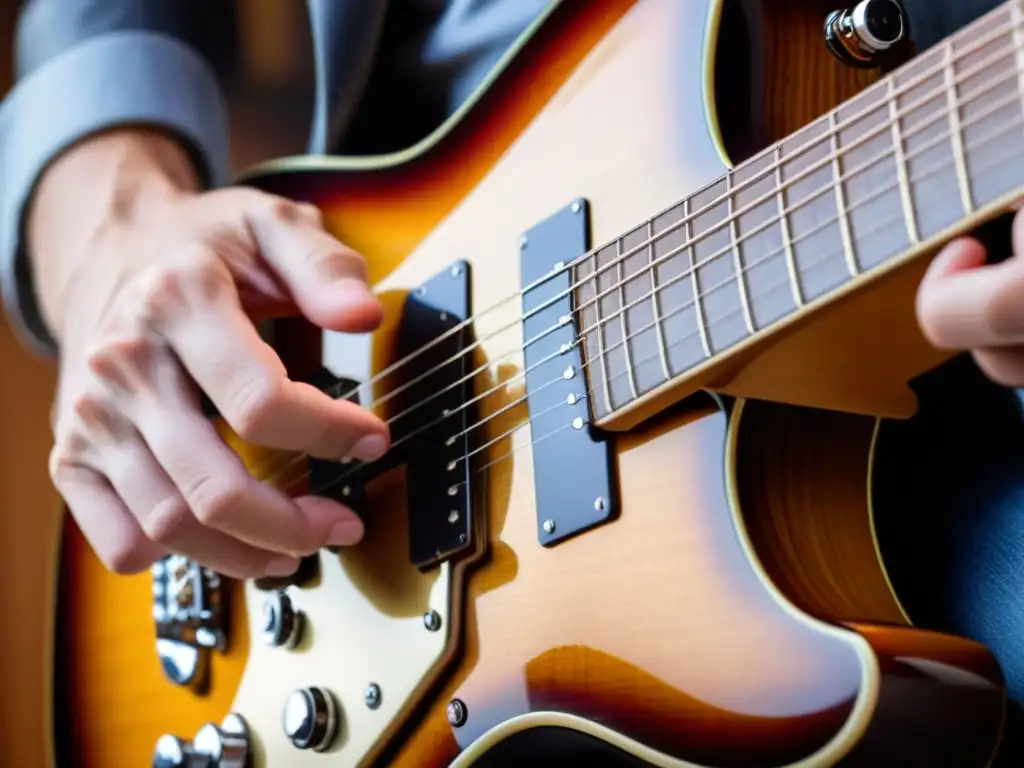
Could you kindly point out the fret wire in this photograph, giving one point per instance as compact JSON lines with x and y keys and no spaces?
{"x":605,"y":381}
{"x":566,"y":426}
{"x":929,"y":172}
{"x":807,"y":172}
{"x":841,"y":212}
{"x":901,"y":166}
{"x":787,"y":243}
{"x":698,"y":308}
{"x":620,"y":272}
{"x":704,"y":326}
{"x":1018,"y":41}
{"x":656,"y":300}
{"x":741,"y":284}
{"x":956,"y":132}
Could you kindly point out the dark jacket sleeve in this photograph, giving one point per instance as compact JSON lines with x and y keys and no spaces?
{"x":84,"y":66}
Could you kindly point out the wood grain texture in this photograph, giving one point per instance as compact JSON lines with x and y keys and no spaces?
{"x":30,"y":520}
{"x":660,"y":632}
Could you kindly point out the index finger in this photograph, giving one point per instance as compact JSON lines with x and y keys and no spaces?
{"x":222,"y":352}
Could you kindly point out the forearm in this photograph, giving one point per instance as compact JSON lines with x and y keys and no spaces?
{"x":111,"y":178}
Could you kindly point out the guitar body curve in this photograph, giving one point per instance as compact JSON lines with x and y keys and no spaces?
{"x":689,"y":631}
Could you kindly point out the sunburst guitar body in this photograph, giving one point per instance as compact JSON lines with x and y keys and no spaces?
{"x":634,"y":387}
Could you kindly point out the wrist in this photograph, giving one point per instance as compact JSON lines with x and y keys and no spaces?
{"x":121,"y":178}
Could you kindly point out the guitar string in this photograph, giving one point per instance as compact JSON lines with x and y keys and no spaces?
{"x":877,"y":130}
{"x":770,"y":222}
{"x":631,"y":368}
{"x":894,"y":221}
{"x":837,"y":127}
{"x":724,"y":252}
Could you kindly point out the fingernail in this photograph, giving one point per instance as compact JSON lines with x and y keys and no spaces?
{"x":370,"y":448}
{"x":345,"y":533}
{"x":282,"y":566}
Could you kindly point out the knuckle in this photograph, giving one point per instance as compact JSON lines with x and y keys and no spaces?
{"x":193,"y":274}
{"x":253,"y":406}
{"x":312,"y":214}
{"x":165,"y":520}
{"x":334,"y":261}
{"x":122,"y":361}
{"x":284,"y":210}
{"x":214,"y":503}
{"x":128,"y":554}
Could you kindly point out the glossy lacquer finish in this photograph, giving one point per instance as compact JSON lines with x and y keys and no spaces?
{"x":663,"y":633}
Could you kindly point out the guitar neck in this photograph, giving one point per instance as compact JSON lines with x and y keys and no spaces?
{"x":924,"y":154}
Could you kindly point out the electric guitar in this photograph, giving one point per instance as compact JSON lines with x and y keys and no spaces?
{"x":634,"y":387}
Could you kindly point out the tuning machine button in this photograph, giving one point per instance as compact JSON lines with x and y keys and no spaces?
{"x":310,"y":719}
{"x":226,"y":746}
{"x":282,"y":622}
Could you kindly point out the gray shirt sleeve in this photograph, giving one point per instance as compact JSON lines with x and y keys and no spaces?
{"x":84,"y":66}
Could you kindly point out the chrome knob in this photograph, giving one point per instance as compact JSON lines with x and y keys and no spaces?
{"x":861,"y":36}
{"x":172,"y":752}
{"x":226,"y":746}
{"x":282,"y":622}
{"x":310,"y":719}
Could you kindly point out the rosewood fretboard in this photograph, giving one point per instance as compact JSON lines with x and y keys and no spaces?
{"x":902,"y":165}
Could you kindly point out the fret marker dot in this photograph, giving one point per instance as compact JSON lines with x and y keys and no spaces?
{"x":568,"y":373}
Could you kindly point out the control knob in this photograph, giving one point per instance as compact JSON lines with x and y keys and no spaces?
{"x":282,"y":622}
{"x":212,"y":747}
{"x":310,"y":719}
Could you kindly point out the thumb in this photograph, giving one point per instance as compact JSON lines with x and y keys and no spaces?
{"x":964,"y":303}
{"x":326,"y":278}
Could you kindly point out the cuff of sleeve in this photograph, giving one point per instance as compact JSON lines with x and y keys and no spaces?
{"x":123,"y":78}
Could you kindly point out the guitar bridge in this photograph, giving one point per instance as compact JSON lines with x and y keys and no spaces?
{"x":190,"y":616}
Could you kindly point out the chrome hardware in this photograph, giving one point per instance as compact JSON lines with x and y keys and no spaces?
{"x":310,"y":719}
{"x":457,"y":713}
{"x":212,"y":747}
{"x":432,"y":620}
{"x":282,"y":622}
{"x":188,"y":609}
{"x":371,"y":695}
{"x":861,"y":36}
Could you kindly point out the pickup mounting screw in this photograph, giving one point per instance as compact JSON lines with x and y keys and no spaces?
{"x":549,"y":526}
{"x":456,"y":712}
{"x":456,"y":270}
{"x":523,"y":242}
{"x":577,"y":207}
{"x":432,"y":620}
{"x":371,"y":695}
{"x":599,"y":503}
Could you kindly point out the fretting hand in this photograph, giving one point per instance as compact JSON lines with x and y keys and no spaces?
{"x":964,"y":303}
{"x":151,"y":288}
